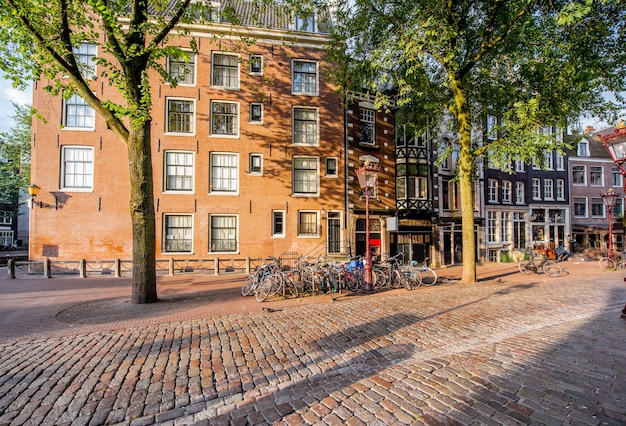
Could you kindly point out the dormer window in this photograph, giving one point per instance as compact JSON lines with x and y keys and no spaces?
{"x":305,"y":23}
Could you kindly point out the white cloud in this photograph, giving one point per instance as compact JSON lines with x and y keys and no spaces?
{"x":7,"y":95}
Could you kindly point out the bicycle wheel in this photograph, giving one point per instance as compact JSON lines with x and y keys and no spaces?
{"x":412,"y":279}
{"x":552,"y":269}
{"x":607,"y":264}
{"x":429,"y":277}
{"x":264,"y":289}
{"x":396,"y":279}
{"x":290,"y":286}
{"x":525,"y":267}
{"x":248,"y":285}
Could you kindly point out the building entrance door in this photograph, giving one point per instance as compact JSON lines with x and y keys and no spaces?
{"x":334,"y":233}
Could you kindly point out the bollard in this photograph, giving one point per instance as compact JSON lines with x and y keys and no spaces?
{"x":171,"y":267}
{"x":216,"y":270}
{"x":11,"y":268}
{"x":46,"y":268}
{"x":82,"y":268}
{"x":247,"y":266}
{"x":117,"y":266}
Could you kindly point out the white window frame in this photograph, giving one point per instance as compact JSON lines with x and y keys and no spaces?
{"x":85,"y":59}
{"x":300,"y":127}
{"x":191,"y":114}
{"x":519,"y":166}
{"x":225,"y":76}
{"x":616,"y":177}
{"x":253,"y":106}
{"x":229,"y":115}
{"x":187,"y":237}
{"x":312,"y":213}
{"x":492,"y":225}
{"x":185,"y":70}
{"x":252,"y":160}
{"x":307,"y":24}
{"x":597,"y":171}
{"x":560,"y":161}
{"x":184,"y":172}
{"x":576,"y":201}
{"x":282,"y":215}
{"x":597,"y":202}
{"x":367,"y":117}
{"x":583,"y":148}
{"x":577,"y":168}
{"x":83,"y":113}
{"x":520,"y":192}
{"x":215,"y":170}
{"x":536,"y":188}
{"x":315,"y":193}
{"x":548,"y":189}
{"x":505,"y":229}
{"x":549,"y":160}
{"x":493,"y":191}
{"x":560,"y":189}
{"x":81,"y":167}
{"x":6,"y":218}
{"x":302,"y":87}
{"x":235,"y":238}
{"x":507,"y":188}
{"x":492,"y":122}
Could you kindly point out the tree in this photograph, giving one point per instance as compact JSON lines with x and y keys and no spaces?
{"x":15,"y":159}
{"x":533,"y":62}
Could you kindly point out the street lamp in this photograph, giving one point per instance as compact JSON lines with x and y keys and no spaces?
{"x":609,"y":199}
{"x":615,"y":144}
{"x":33,"y":190}
{"x":367,"y":176}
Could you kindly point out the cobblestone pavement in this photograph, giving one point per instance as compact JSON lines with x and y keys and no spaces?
{"x":503,"y":351}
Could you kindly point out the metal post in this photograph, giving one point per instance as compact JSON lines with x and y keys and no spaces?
{"x":367,"y":285}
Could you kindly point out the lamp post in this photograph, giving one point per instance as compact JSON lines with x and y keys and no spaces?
{"x":609,"y":199}
{"x":367,"y":176}
{"x":615,"y":144}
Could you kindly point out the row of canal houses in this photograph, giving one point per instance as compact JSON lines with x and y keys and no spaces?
{"x":254,"y":155}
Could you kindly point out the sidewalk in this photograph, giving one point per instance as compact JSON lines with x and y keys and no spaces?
{"x":510,"y":349}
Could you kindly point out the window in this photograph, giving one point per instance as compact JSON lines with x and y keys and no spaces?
{"x":6,"y":238}
{"x":224,"y":120}
{"x":256,"y":113}
{"x":560,"y":189}
{"x":77,"y":168}
{"x":224,"y":173}
{"x":536,"y":189}
{"x":178,"y":171}
{"x":278,"y":223}
{"x":520,"y":192}
{"x":506,"y":191}
{"x":548,"y":189}
{"x":256,"y":64}
{"x":304,"y":78}
{"x":182,"y":69}
{"x":331,"y":167}
{"x":412,"y":187}
{"x":368,"y":126}
{"x":180,"y":116}
{"x":305,"y":176}
{"x":223,"y":234}
{"x":178,"y":234}
{"x":579,"y":175}
{"x":308,"y":224}
{"x":450,"y":195}
{"x":6,"y":218}
{"x":580,"y":206}
{"x":505,"y":232}
{"x":596,"y":177}
{"x":225,"y":71}
{"x":616,"y":177}
{"x":77,"y":114}
{"x":519,"y":166}
{"x":583,"y":148}
{"x":491,"y":128}
{"x":560,"y":161}
{"x":618,"y":210}
{"x":493,"y":191}
{"x":305,"y":23}
{"x":549,"y":160}
{"x":85,"y":54}
{"x":305,"y":126}
{"x":519,"y":230}
{"x":597,"y":207}
{"x":491,"y":226}
{"x":256,"y":164}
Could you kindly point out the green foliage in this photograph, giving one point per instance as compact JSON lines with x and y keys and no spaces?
{"x":505,"y":257}
{"x":15,"y":159}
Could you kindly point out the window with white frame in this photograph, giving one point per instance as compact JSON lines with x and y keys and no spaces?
{"x":256,"y":64}
{"x":368,"y":126}
{"x":492,"y":221}
{"x":505,"y":230}
{"x":278,"y":223}
{"x":548,"y":189}
{"x":520,"y":193}
{"x":305,"y":22}
{"x":597,"y":207}
{"x":178,"y":232}
{"x":596,"y":177}
{"x":77,"y":168}
{"x":85,"y":54}
{"x":77,"y":114}
{"x":493,"y":191}
{"x":519,"y":230}
{"x":579,"y":175}
{"x":549,"y":160}
{"x":256,"y":164}
{"x":580,"y":206}
{"x":583,"y":148}
{"x":182,"y":69}
{"x":224,"y":119}
{"x":450,"y":195}
{"x":618,"y":210}
{"x":519,"y":166}
{"x":225,"y":71}
{"x":179,"y":171}
{"x":305,"y":126}
{"x":6,"y":238}
{"x":6,"y":218}
{"x":560,"y":161}
{"x":256,"y":113}
{"x":304,"y":77}
{"x":308,"y":224}
{"x":560,"y":189}
{"x":616,"y":177}
{"x":224,"y":173}
{"x":507,"y":189}
{"x":305,"y":176}
{"x":536,"y":188}
{"x":180,"y":116}
{"x":332,"y":167}
{"x":223,"y":234}
{"x":412,"y":187}
{"x":491,"y":127}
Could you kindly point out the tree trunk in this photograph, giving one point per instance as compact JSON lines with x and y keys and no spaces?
{"x":142,"y":214}
{"x":466,"y":183}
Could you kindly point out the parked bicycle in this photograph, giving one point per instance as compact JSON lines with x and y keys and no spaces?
{"x":612,"y":262}
{"x":540,"y":262}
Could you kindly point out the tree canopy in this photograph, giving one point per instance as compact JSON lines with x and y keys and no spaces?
{"x":15,"y":159}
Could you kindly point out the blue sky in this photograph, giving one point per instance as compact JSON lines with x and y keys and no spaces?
{"x":7,"y":95}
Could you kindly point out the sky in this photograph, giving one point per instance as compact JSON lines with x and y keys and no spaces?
{"x":7,"y":95}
